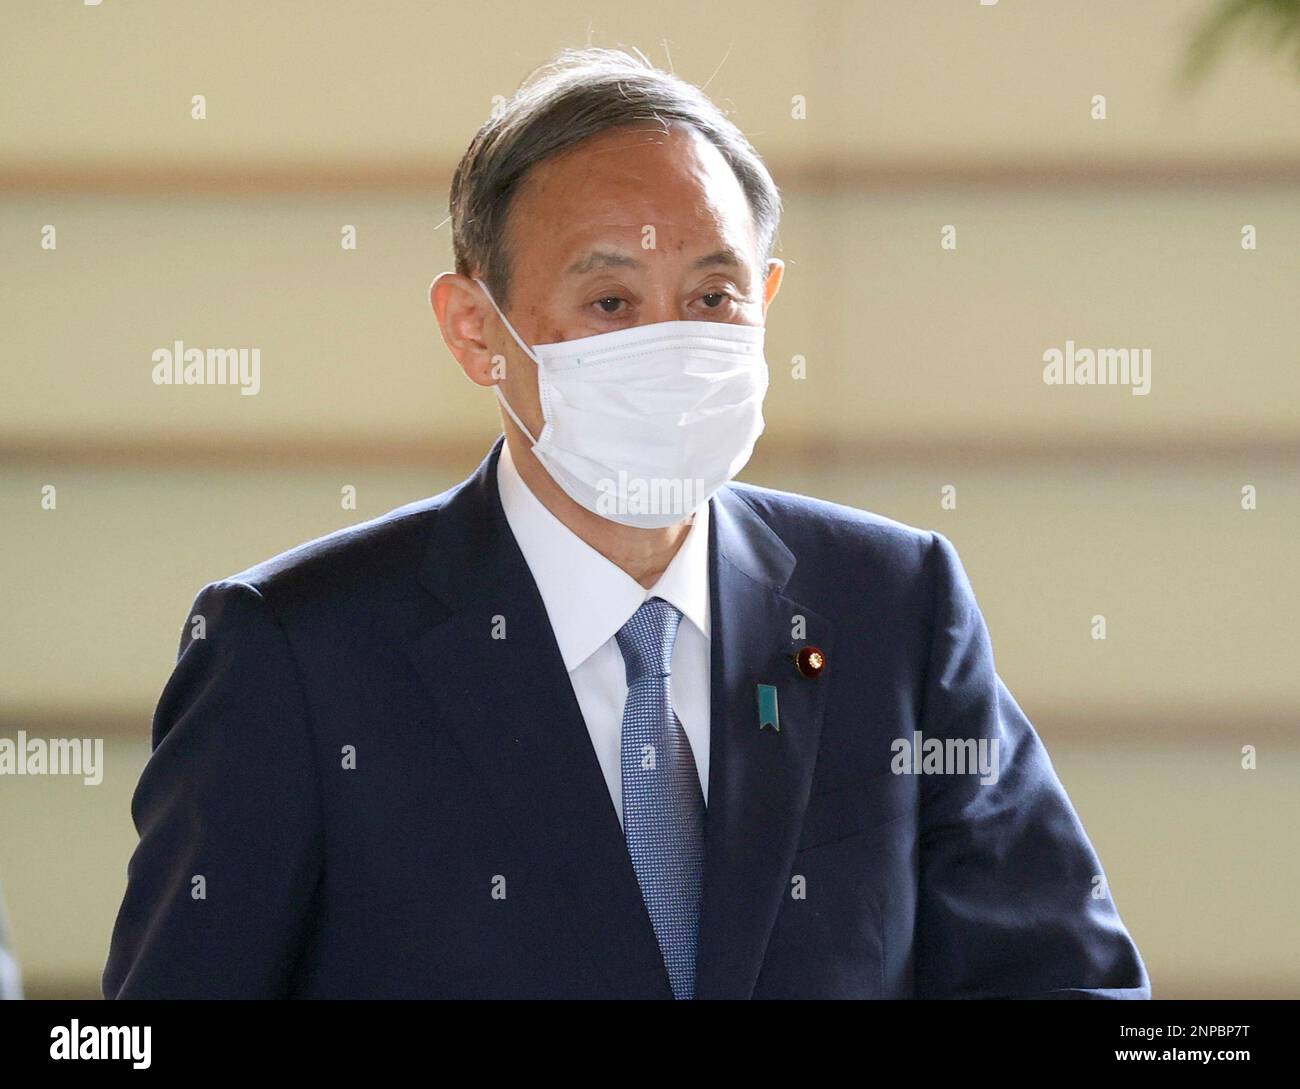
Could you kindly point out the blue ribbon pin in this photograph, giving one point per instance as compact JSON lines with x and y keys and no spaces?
{"x":767,"y":712}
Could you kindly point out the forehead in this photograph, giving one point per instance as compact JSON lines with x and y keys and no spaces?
{"x":615,"y":184}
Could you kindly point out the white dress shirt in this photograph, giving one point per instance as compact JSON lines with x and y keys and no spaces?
{"x":588,"y":599}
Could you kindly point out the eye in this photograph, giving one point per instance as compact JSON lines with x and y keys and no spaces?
{"x":609,"y":299}
{"x":720,"y":296}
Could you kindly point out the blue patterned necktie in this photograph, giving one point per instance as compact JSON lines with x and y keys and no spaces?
{"x":663,"y":806}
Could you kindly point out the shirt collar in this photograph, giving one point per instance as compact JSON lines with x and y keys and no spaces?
{"x":587,"y":597}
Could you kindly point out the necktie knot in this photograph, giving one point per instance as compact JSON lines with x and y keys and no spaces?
{"x":647,"y":639}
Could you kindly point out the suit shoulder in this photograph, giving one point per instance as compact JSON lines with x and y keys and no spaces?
{"x":355,"y":557}
{"x":808,"y":524}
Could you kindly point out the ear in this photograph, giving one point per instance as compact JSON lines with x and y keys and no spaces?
{"x":771,"y":285}
{"x":461,"y":311}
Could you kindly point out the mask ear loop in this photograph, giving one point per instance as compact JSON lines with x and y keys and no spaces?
{"x":518,"y":422}
{"x":526,"y":350}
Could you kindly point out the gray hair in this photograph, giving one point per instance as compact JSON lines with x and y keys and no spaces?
{"x":578,"y":94}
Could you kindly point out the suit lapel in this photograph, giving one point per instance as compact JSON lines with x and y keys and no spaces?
{"x":501,"y":687}
{"x":759,"y":780}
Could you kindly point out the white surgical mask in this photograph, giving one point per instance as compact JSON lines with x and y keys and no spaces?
{"x":643,"y":425}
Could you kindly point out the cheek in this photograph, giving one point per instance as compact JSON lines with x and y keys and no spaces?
{"x":521,"y":386}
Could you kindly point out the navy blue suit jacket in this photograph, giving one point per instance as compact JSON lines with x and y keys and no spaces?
{"x":358,"y":789}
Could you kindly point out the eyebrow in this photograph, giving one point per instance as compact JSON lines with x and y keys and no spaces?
{"x":601,"y":259}
{"x":610,"y":258}
{"x":725,"y":256}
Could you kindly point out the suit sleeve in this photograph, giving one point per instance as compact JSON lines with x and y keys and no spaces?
{"x":11,"y":982}
{"x":220,"y":885}
{"x":1007,"y":875}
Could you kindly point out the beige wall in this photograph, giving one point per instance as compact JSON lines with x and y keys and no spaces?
{"x":923,"y":369}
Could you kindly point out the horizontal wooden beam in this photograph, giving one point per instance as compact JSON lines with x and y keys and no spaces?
{"x":430,"y":176}
{"x":776,"y":452}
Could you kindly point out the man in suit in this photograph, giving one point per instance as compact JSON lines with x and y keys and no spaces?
{"x":599,"y":722}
